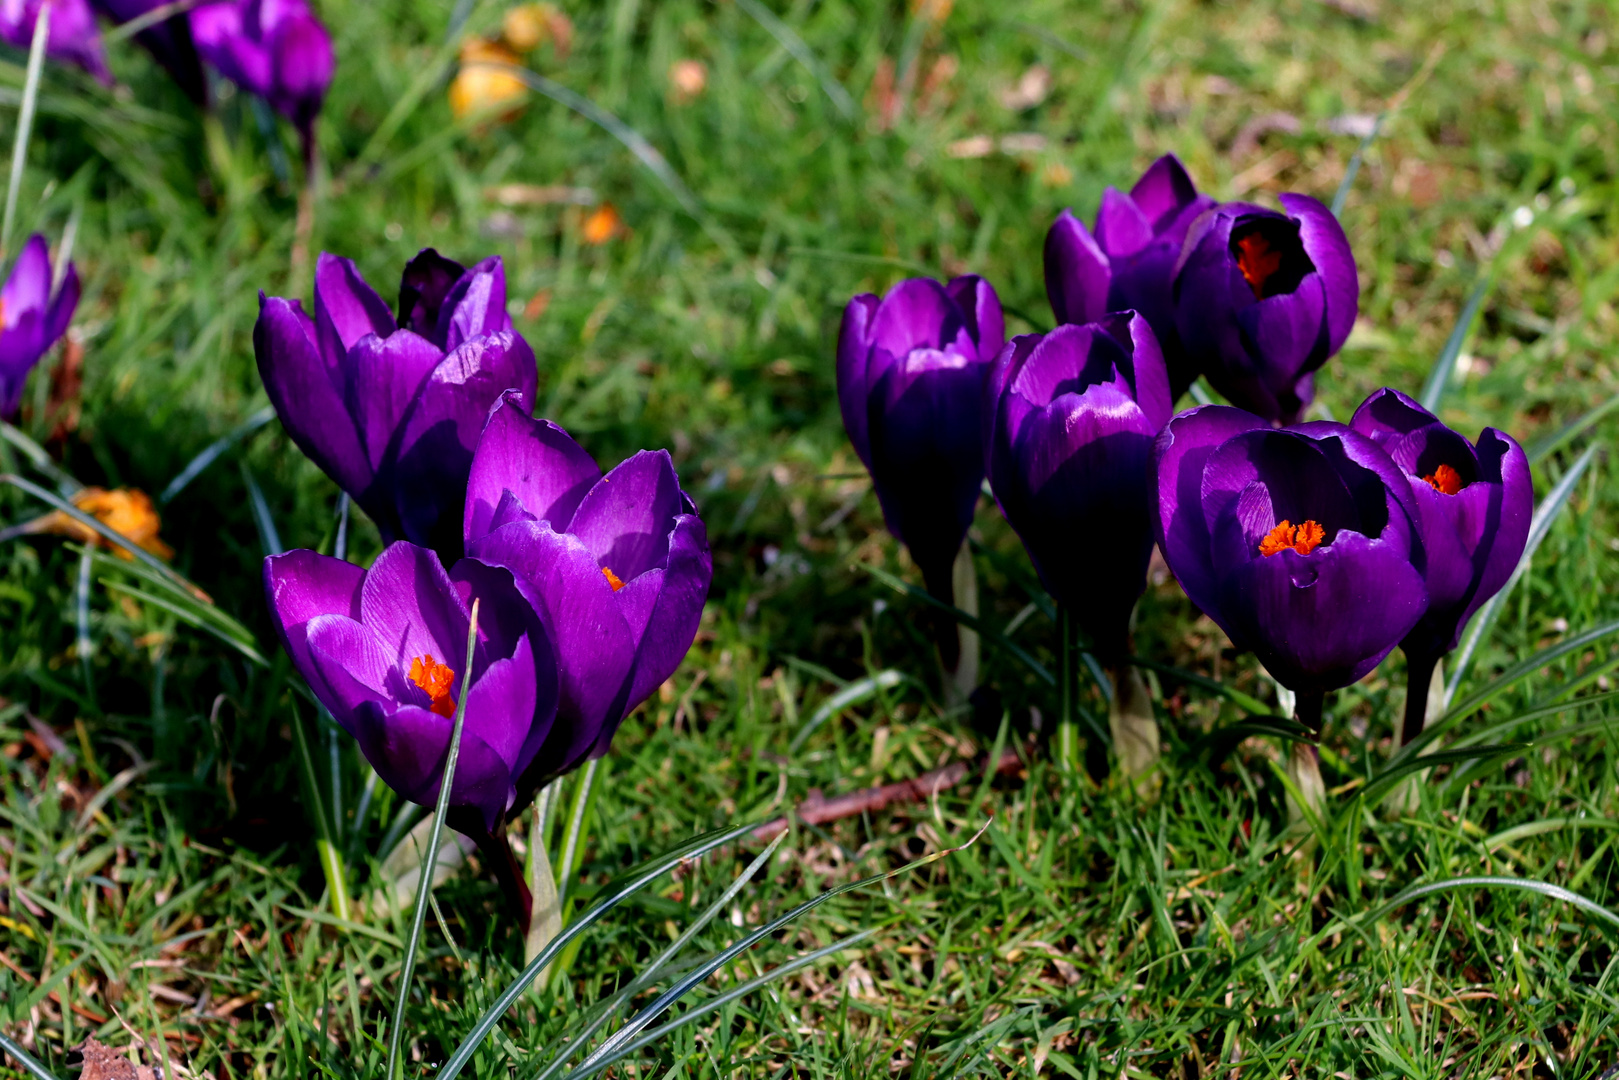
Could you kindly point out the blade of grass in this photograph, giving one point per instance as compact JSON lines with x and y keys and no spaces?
{"x":25,"y":123}
{"x":25,"y":1059}
{"x":81,"y":611}
{"x":331,"y":860}
{"x":1571,"y":430}
{"x":788,"y":39}
{"x":1417,"y":892}
{"x":189,"y":616}
{"x":425,"y":881}
{"x":1433,"y":391}
{"x":39,"y":459}
{"x":576,"y":826}
{"x":1545,"y":825}
{"x":150,"y":18}
{"x":614,"y":1047}
{"x":269,"y":537}
{"x":612,"y":896}
{"x":1524,"y":668}
{"x":1539,"y":526}
{"x":852,"y":694}
{"x":214,"y":451}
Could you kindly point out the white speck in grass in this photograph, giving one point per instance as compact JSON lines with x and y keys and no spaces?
{"x":1444,"y":258}
{"x":1567,"y":186}
{"x":514,"y":308}
{"x":1543,"y":202}
{"x":1523,"y":217}
{"x":394,"y":232}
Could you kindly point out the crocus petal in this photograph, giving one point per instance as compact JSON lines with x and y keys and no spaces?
{"x":539,"y":463}
{"x":1328,"y":248}
{"x":1121,"y":228}
{"x":854,"y":349}
{"x":1148,"y":374}
{"x":301,"y":585}
{"x":29,"y":286}
{"x":62,"y":306}
{"x":1077,"y":271}
{"x":427,"y":280}
{"x":384,"y":377}
{"x":351,"y":666}
{"x":917,"y":313}
{"x":410,"y":604}
{"x":672,"y":624}
{"x":169,"y":42}
{"x":408,"y":745}
{"x":1283,"y":334}
{"x":1163,"y":191}
{"x":981,"y":307}
{"x":303,"y":64}
{"x":624,"y":521}
{"x":346,"y":308}
{"x":300,"y":386}
{"x":500,"y":708}
{"x":475,"y":305}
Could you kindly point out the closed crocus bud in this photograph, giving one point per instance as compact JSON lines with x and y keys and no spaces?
{"x":31,"y":319}
{"x":382,"y":649}
{"x":911,"y":370}
{"x":1075,"y":415}
{"x":73,"y":37}
{"x":274,"y":48}
{"x":169,"y":42}
{"x":391,"y":409}
{"x":1474,"y":504}
{"x":1302,"y":543}
{"x":617,"y":565}
{"x":1129,"y":263}
{"x":1262,"y":299}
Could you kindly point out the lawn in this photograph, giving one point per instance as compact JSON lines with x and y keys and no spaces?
{"x":160,"y":878}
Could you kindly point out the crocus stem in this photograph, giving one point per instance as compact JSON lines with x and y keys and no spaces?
{"x":940,"y":579}
{"x":497,"y":852}
{"x":1067,"y":734}
{"x":1304,"y":759}
{"x":576,"y":828}
{"x":963,"y":680}
{"x":1132,"y":723}
{"x":546,"y":919}
{"x":1422,"y":673}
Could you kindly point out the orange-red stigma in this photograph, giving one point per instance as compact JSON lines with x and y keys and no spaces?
{"x":1445,"y":480}
{"x":613,"y":579}
{"x":1303,"y":539}
{"x":436,"y":679}
{"x":1258,"y":261}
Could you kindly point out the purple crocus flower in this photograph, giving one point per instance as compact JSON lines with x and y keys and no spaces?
{"x":1303,"y":543}
{"x":381,"y":649}
{"x":1129,"y":264}
{"x":391,"y":408}
{"x":1075,"y":413}
{"x":31,"y":319}
{"x":1474,"y":504}
{"x":911,"y":370}
{"x":274,"y":48}
{"x":73,"y":38}
{"x":1263,"y":299}
{"x":618,"y":567}
{"x":168,"y":41}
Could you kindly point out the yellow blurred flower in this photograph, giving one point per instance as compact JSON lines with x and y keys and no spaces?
{"x":127,"y":511}
{"x":528,"y":26}
{"x":478,"y":88}
{"x":603,"y":224}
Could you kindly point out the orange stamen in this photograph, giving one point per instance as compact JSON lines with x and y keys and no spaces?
{"x":1258,"y":261}
{"x":613,"y":579}
{"x":1445,"y":480}
{"x":436,"y":679}
{"x":1303,"y":539}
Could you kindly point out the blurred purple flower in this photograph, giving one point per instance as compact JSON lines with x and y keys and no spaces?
{"x":1474,"y":505}
{"x":1129,"y":264}
{"x":618,"y":567}
{"x":392,"y":409}
{"x":31,"y":319}
{"x":911,"y":370}
{"x":276,"y":49}
{"x":73,"y":38}
{"x":168,"y":41}
{"x":1303,"y":544}
{"x":1075,"y":413}
{"x":1263,"y":299}
{"x":381,"y":650}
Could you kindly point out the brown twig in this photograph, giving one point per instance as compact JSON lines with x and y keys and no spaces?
{"x":818,"y":809}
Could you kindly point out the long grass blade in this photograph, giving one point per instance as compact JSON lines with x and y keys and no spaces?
{"x":331,"y":860}
{"x":1433,"y":391}
{"x":340,"y":545}
{"x":81,"y":611}
{"x":25,"y":1059}
{"x":1545,"y":825}
{"x":25,"y":122}
{"x":196,"y":610}
{"x":788,"y":39}
{"x":852,"y":694}
{"x":1539,"y":526}
{"x":214,"y":451}
{"x":39,"y":459}
{"x":1352,"y":170}
{"x":1571,"y":431}
{"x":612,"y":896}
{"x":576,"y":827}
{"x":1524,"y":668}
{"x":418,"y":916}
{"x":649,"y":975}
{"x":1541,"y":888}
{"x":148,"y":19}
{"x":615,"y":1046}
{"x":269,"y":536}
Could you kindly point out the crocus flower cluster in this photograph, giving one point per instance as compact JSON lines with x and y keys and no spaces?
{"x":590,"y":586}
{"x":1253,"y":299}
{"x":32,"y":318}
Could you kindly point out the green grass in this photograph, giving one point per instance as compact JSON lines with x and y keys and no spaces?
{"x":1085,"y":934}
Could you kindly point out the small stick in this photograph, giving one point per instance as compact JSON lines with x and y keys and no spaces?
{"x":818,"y":809}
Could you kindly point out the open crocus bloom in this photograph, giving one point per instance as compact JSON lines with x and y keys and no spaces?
{"x":381,"y":649}
{"x":1129,"y":263}
{"x":618,"y":567}
{"x":911,"y":370}
{"x":1474,"y":505}
{"x":1075,"y":414}
{"x":274,"y":48}
{"x":1263,"y":299}
{"x":391,"y":409}
{"x":73,"y":37}
{"x":1301,"y":543}
{"x":31,"y":319}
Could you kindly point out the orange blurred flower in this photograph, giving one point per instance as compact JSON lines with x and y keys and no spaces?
{"x":127,"y":511}
{"x":478,"y":88}
{"x":528,"y":26}
{"x":603,"y":224}
{"x":687,"y":80}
